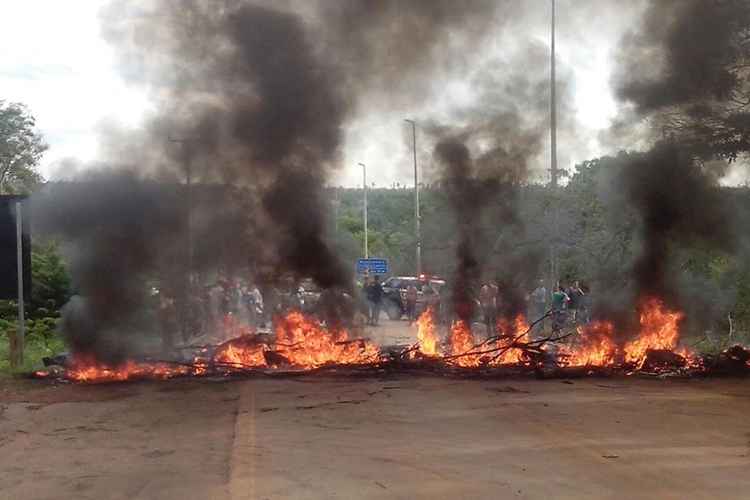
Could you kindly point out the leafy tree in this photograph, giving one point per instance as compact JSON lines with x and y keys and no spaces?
{"x":702,"y":100}
{"x":598,"y":230}
{"x":50,"y":282}
{"x":21,"y":148}
{"x":50,"y":290}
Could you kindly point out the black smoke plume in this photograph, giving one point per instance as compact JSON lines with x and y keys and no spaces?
{"x":117,"y":253}
{"x":391,"y":49}
{"x":680,"y":205}
{"x":482,"y":166}
{"x":249,"y":106}
{"x":250,"y":100}
{"x":681,"y":72}
{"x":482,"y":193}
{"x":467,"y":196}
{"x":684,"y":52}
{"x":686,"y":68}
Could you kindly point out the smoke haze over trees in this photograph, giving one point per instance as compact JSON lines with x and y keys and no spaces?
{"x":251,"y":103}
{"x":688,"y":66}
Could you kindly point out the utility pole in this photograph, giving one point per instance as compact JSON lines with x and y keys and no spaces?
{"x":417,"y":222}
{"x":553,"y":155}
{"x":186,"y":304}
{"x":189,"y":210}
{"x":364,"y":186}
{"x":553,"y":107}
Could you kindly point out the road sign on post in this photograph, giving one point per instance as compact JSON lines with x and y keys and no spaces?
{"x":372,"y":266}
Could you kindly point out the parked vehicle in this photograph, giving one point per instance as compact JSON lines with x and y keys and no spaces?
{"x":394,"y":294}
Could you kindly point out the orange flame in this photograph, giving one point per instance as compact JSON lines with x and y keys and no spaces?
{"x":659,"y":330}
{"x":517,"y":331}
{"x":594,"y":347}
{"x":242,"y":352}
{"x":426,"y":336}
{"x":466,"y":354}
{"x":461,"y":342}
{"x":87,"y":369}
{"x":305,"y":343}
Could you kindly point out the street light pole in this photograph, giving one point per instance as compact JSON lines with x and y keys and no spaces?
{"x":189,"y":209}
{"x":417,"y":222}
{"x":553,"y":106}
{"x":553,"y":152}
{"x":364,"y":186}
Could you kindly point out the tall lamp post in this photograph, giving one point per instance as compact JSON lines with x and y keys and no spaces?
{"x":417,"y":228}
{"x":553,"y":153}
{"x":364,"y":186}
{"x":189,"y":209}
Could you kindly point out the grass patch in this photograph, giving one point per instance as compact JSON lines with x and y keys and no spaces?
{"x":35,"y":349}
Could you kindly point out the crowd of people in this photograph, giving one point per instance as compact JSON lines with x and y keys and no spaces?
{"x":557,"y":308}
{"x":570,"y":304}
{"x":563,"y":306}
{"x":203,"y":309}
{"x":207,"y":308}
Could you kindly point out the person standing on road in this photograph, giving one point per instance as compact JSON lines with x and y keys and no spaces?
{"x":168,"y":323}
{"x":373,"y":292}
{"x":367,"y":289}
{"x":560,"y":300}
{"x":488,"y":302}
{"x":253,"y":302}
{"x":584,"y":309}
{"x":376,"y":296}
{"x":411,"y":303}
{"x":575,"y":293}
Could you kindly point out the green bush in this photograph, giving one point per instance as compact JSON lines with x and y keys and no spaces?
{"x":40,"y":339}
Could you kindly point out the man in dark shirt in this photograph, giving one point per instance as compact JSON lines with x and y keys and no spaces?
{"x":575,"y":294}
{"x":374,"y":293}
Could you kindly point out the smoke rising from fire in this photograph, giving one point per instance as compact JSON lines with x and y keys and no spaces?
{"x":250,"y":102}
{"x":259,"y":105}
{"x":685,"y":52}
{"x":467,"y":196}
{"x":117,"y":253}
{"x":679,"y":70}
{"x":483,"y":163}
{"x":680,"y":205}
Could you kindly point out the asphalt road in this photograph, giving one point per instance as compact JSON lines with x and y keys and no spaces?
{"x":398,"y":438}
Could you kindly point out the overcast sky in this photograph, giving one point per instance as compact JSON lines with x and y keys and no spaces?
{"x":53,"y":58}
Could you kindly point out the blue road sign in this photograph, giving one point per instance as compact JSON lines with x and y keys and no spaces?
{"x":373,"y":266}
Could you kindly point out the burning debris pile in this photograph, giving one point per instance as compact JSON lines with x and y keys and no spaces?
{"x":302,"y":345}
